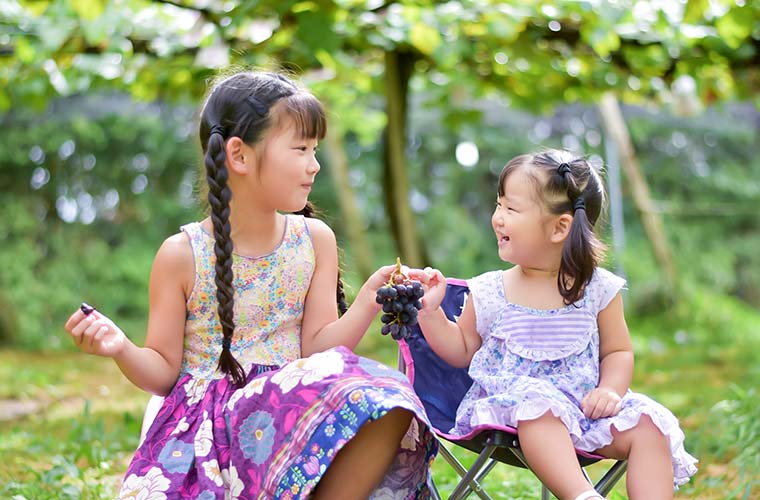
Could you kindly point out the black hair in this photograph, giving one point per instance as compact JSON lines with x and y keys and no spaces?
{"x":239,"y":106}
{"x":566,"y":183}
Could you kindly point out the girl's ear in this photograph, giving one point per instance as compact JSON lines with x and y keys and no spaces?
{"x":238,"y":153}
{"x":561,"y":228}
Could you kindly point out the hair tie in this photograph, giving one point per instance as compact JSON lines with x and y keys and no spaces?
{"x":563,"y":169}
{"x":218,"y":129}
{"x":259,"y":107}
{"x":579,"y":204}
{"x":226,"y":343}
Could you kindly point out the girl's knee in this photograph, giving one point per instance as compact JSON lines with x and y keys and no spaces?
{"x":397,"y":418}
{"x":644,"y":432}
{"x":646,"y":429}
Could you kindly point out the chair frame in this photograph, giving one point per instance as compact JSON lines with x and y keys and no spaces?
{"x":505,"y":445}
{"x":498,"y":445}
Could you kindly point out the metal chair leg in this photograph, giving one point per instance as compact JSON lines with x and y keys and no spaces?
{"x":476,"y":484}
{"x":433,"y":489}
{"x":608,"y":481}
{"x":469,"y":481}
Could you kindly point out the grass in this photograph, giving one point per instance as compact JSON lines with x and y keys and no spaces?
{"x":79,"y":441}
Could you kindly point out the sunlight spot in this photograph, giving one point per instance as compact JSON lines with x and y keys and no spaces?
{"x":467,"y":154}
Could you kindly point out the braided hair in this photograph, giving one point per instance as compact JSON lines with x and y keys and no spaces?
{"x":242,"y":106}
{"x":567,"y":184}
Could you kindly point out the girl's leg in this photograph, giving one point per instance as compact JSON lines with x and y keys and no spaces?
{"x":650,"y":466}
{"x":550,"y":453}
{"x":361,"y":464}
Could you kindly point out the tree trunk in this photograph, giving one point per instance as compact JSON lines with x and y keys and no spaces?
{"x":398,"y":69}
{"x":614,"y":124}
{"x":352,"y":217}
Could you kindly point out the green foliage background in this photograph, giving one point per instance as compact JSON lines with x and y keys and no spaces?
{"x":99,"y":162}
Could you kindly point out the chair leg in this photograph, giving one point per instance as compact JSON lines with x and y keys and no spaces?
{"x":433,"y":489}
{"x":608,"y":481}
{"x":475,"y":484}
{"x":464,"y":488}
{"x":469,"y":479}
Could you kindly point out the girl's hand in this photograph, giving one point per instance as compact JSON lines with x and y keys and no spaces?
{"x":601,"y":402}
{"x":434,"y":284}
{"x":95,"y":334}
{"x":377,"y":280}
{"x":380,"y":277}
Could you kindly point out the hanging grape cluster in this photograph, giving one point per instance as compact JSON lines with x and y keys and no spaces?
{"x":400,"y":298}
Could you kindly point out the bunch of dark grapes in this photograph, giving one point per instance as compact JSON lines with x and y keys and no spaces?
{"x":400,"y":298}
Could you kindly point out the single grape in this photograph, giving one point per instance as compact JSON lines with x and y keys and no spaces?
{"x":86,"y":308}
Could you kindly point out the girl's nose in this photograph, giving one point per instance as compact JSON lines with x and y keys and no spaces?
{"x":497,"y":220}
{"x":314,"y":166}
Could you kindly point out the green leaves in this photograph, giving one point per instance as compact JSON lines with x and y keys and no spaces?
{"x":736,"y":25}
{"x":88,"y":10}
{"x":69,"y":47}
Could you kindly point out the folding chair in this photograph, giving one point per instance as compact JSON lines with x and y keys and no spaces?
{"x":441,"y":388}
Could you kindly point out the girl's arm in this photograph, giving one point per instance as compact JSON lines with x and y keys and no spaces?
{"x":155,"y":367}
{"x":455,"y":343}
{"x":321,"y":329}
{"x":616,"y":362}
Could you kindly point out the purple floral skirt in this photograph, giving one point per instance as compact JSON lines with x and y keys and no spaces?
{"x":276,"y":436}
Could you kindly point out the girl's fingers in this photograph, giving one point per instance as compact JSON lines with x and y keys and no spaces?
{"x":97,"y":343}
{"x":419,"y":275}
{"x":100,"y":333}
{"x":78,"y":330}
{"x":74,"y":319}
{"x":88,"y":336}
{"x":617,"y":407}
{"x":595,"y":411}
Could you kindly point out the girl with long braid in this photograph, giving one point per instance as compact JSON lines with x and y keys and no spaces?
{"x":263,"y":396}
{"x":546,"y":340}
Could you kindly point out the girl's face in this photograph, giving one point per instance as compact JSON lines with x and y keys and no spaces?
{"x":520,"y":223}
{"x":287,"y":167}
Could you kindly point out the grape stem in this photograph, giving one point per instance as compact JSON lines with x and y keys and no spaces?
{"x":396,"y":272}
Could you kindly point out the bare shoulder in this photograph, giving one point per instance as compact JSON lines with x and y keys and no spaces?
{"x":322,"y":235}
{"x":175,"y":250}
{"x":174,"y":261}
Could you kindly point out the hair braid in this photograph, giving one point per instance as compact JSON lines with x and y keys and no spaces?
{"x":219,"y":196}
{"x":244,"y":105}
{"x":340,"y":294}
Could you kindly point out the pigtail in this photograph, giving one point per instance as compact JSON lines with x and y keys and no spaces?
{"x":340,"y":295}
{"x":219,"y":196}
{"x":582,"y":251}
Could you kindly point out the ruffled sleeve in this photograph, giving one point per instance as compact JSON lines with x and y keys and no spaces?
{"x":603,"y":287}
{"x":487,"y":295}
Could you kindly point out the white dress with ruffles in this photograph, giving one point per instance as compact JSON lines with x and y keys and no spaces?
{"x":532,"y":361}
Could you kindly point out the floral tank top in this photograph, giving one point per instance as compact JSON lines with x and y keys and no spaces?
{"x":270,"y":292}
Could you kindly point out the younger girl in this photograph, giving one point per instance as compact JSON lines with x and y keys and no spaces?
{"x":264,"y":398}
{"x":547,"y":343}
